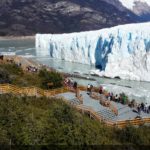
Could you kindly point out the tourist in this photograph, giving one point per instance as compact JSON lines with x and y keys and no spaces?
{"x":75,"y":85}
{"x":88,"y":89}
{"x":1,"y":57}
{"x":139,"y":109}
{"x":146,"y":109}
{"x":71,"y":83}
{"x":101,"y":90}
{"x":18,"y":64}
{"x":116,"y":98}
{"x":91,"y":88}
{"x":149,"y":109}
{"x":120,"y":98}
{"x":142,"y":106}
{"x":106,"y":94}
{"x":132,"y":104}
{"x":111,"y":96}
{"x":66,"y":81}
{"x":124,"y":99}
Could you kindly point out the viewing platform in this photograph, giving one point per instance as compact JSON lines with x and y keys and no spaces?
{"x":126,"y":115}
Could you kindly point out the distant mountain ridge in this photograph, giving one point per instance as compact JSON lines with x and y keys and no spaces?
{"x":140,"y":8}
{"x":27,"y":17}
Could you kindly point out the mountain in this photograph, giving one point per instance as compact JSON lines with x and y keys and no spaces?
{"x":27,"y":17}
{"x":140,"y":8}
{"x":122,"y":51}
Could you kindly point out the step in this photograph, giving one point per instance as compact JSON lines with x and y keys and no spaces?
{"x":75,"y":101}
{"x":107,"y":114}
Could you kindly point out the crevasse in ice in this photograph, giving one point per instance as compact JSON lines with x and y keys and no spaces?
{"x":122,"y":51}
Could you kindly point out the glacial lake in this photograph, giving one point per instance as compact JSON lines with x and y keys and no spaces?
{"x":26,"y":47}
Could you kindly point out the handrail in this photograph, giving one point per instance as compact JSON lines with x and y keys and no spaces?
{"x":29,"y":91}
{"x":113,"y":109}
{"x":89,"y":109}
{"x":34,"y":91}
{"x":111,"y":106}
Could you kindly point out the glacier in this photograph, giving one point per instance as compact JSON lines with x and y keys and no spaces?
{"x":122,"y":51}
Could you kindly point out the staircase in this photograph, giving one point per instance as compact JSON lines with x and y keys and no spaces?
{"x":75,"y":101}
{"x":107,"y":114}
{"x":124,"y":110}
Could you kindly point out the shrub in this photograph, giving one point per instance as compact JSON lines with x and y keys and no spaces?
{"x":50,"y":121}
{"x":4,"y":76}
{"x":12,"y":69}
{"x":50,"y":77}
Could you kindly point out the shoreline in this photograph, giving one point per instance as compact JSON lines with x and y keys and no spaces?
{"x":32,"y":37}
{"x":39,"y":65}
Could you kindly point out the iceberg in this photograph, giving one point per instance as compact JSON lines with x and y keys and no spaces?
{"x":122,"y":51}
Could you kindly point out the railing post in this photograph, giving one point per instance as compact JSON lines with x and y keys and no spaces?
{"x":0,"y":90}
{"x":8,"y":88}
{"x":47,"y":94}
{"x":116,"y":124}
{"x":35,"y":91}
{"x":90,"y":114}
{"x":82,"y":111}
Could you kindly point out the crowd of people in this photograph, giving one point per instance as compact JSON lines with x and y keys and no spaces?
{"x":69,"y":83}
{"x":143,"y":107}
{"x":121,"y":98}
{"x":32,"y":69}
{"x":9,"y":60}
{"x":73,"y":85}
{"x":110,"y":96}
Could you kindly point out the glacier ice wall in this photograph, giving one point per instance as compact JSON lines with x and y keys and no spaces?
{"x":121,"y":51}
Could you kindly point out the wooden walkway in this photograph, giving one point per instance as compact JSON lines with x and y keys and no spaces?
{"x":34,"y":91}
{"x":119,"y":124}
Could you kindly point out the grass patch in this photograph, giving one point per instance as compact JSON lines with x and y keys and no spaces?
{"x":11,"y":73}
{"x":43,"y":121}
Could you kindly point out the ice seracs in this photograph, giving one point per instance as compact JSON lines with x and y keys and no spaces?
{"x":122,"y":51}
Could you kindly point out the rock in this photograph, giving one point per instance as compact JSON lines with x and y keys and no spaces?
{"x":27,"y":17}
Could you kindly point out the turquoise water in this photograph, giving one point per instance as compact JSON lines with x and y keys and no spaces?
{"x":137,"y":90}
{"x":20,"y":47}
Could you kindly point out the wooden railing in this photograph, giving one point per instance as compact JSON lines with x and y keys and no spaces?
{"x":119,"y":124}
{"x":34,"y":91}
{"x":94,"y":115}
{"x":111,"y":106}
{"x":90,"y":111}
{"x":29,"y":91}
{"x":113,"y":109}
{"x":138,"y":121}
